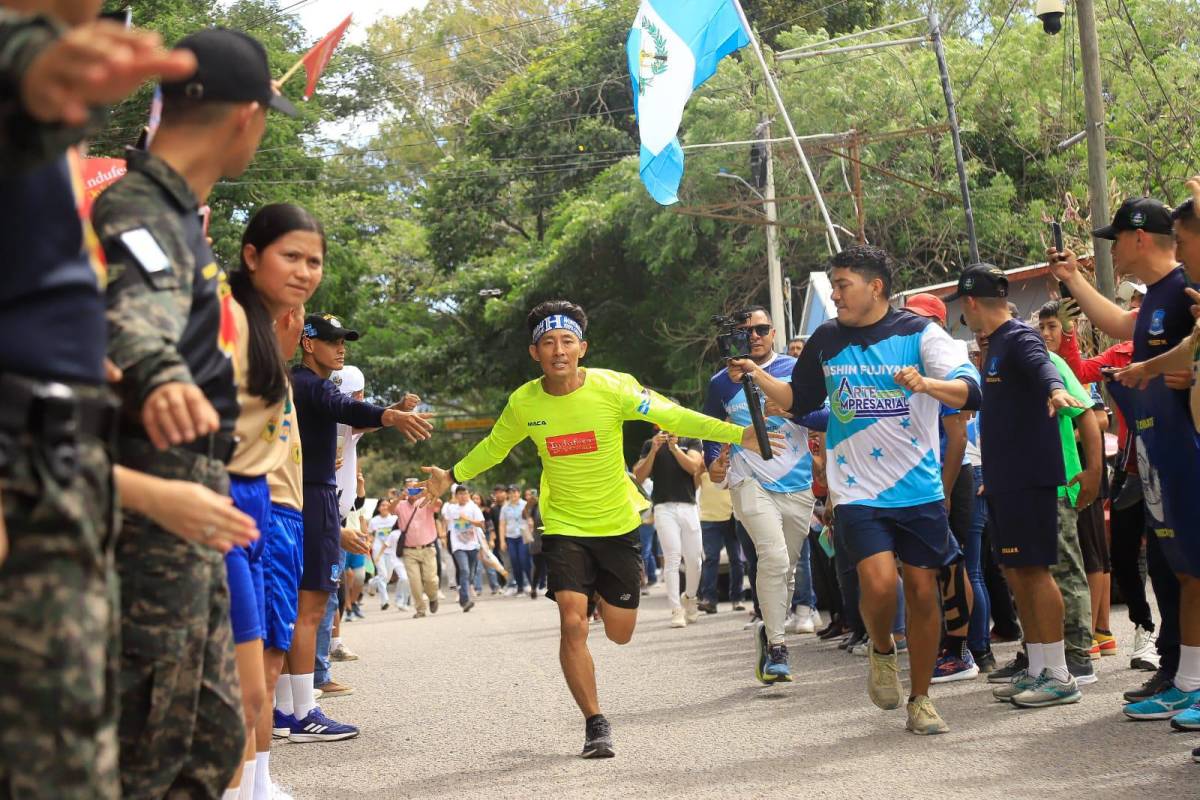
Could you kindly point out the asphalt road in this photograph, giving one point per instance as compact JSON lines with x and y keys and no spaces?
{"x":473,"y":705}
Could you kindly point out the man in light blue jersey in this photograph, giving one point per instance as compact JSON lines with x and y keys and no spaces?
{"x":772,"y":499}
{"x":886,"y":373}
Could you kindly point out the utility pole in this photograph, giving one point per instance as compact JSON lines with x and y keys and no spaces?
{"x":856,"y":178}
{"x":774,"y":271}
{"x":935,"y":32}
{"x":1093,"y":103}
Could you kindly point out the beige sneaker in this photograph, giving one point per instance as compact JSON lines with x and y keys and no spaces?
{"x":883,"y":681}
{"x":678,"y":618}
{"x":923,"y":718}
{"x":335,"y":689}
{"x":691,"y":609}
{"x":342,"y":653}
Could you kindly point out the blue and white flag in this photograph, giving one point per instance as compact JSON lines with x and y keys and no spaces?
{"x":674,"y":47}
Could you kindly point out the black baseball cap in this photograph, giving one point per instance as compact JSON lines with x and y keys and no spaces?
{"x":1139,"y":214}
{"x":981,"y":280}
{"x":231,"y":67}
{"x":327,"y":328}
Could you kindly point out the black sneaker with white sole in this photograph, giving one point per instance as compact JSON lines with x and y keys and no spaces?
{"x":597,"y":742}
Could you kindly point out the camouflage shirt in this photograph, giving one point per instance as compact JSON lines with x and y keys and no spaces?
{"x":169,"y":304}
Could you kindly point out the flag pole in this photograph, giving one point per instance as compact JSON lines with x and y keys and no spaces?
{"x":292,"y":71}
{"x":832,"y":242}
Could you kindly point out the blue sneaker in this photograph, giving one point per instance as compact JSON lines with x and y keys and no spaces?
{"x":316,"y":727}
{"x":283,"y":725}
{"x":777,"y":667}
{"x":1163,"y":705}
{"x":1188,"y":720}
{"x":950,"y":668}
{"x":770,"y":666}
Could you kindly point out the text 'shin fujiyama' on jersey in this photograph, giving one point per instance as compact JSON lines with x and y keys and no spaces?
{"x":789,"y":471}
{"x":882,"y":442}
{"x":585,"y":491}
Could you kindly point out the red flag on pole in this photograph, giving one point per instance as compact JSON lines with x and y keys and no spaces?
{"x":317,"y":58}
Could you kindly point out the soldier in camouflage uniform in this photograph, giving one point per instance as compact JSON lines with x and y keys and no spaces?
{"x":171,"y":334}
{"x":57,"y":587}
{"x":1077,"y":597}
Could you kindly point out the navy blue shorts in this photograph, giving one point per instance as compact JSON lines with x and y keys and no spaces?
{"x":919,"y":535}
{"x":243,"y":565}
{"x":283,"y":563}
{"x":322,"y":539}
{"x":1025,"y":526}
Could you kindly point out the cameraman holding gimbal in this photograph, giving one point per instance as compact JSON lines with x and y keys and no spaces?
{"x":773,"y":499}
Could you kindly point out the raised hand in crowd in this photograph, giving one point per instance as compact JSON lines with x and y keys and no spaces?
{"x":415,"y":427}
{"x":96,"y":64}
{"x":409,"y":402}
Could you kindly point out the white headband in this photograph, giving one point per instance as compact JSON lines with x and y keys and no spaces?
{"x":557,"y":322}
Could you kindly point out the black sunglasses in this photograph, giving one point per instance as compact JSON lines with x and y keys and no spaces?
{"x":759,"y":330}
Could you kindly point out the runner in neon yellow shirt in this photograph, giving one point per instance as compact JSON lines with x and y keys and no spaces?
{"x":590,"y":507}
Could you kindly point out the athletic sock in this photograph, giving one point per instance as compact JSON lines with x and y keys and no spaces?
{"x":956,"y":646}
{"x":247,"y":792}
{"x":231,"y":794}
{"x":1187,"y":677}
{"x":283,"y":694}
{"x":262,"y":776}
{"x":1036,"y":660}
{"x":1055,"y":656}
{"x":335,"y":643}
{"x":302,"y":694}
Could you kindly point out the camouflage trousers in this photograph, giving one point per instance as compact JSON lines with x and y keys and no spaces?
{"x":1072,"y":583}
{"x":181,"y":729}
{"x":58,"y":629}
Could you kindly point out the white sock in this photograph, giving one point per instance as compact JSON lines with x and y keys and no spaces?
{"x":335,"y":643}
{"x":262,"y":776}
{"x":1187,"y":677}
{"x":231,"y":794}
{"x":1037,"y":661}
{"x":283,"y":694}
{"x":1055,"y":656}
{"x":302,"y":694}
{"x":247,"y":792}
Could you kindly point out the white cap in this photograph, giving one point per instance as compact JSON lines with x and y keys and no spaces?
{"x":349,"y":380}
{"x":1126,"y":289}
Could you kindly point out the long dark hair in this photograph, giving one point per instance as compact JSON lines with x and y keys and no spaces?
{"x":267,"y":373}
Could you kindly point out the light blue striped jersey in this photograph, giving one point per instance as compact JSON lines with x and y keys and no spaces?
{"x":882,"y":442}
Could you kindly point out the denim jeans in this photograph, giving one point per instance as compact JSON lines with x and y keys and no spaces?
{"x":522,"y":566}
{"x":717,"y":535}
{"x":321,"y":674}
{"x":647,"y":534}
{"x":804,"y":595}
{"x":468,"y":564}
{"x":978,"y":634}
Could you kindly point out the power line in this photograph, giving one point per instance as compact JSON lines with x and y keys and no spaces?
{"x":970,"y":83}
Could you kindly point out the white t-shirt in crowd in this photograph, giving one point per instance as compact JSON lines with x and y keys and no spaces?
{"x":513,"y":521}
{"x":463,"y":534}
{"x":381,"y":528}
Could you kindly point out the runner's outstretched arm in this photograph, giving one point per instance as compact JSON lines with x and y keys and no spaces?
{"x":506,"y":434}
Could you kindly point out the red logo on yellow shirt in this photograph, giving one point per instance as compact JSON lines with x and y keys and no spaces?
{"x":572,"y":444}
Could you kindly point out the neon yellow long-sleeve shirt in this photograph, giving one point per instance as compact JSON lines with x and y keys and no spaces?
{"x":584,"y":488}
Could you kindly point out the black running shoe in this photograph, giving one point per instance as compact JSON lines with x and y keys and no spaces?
{"x":597,"y":742}
{"x":1157,"y":683}
{"x":986,"y":661}
{"x":1006,"y":673}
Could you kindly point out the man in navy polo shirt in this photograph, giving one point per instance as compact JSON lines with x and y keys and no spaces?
{"x":1022,"y":470}
{"x":320,"y":406}
{"x":1142,"y":232}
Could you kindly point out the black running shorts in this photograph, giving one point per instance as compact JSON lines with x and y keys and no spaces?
{"x":608,"y":565}
{"x":1092,"y":541}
